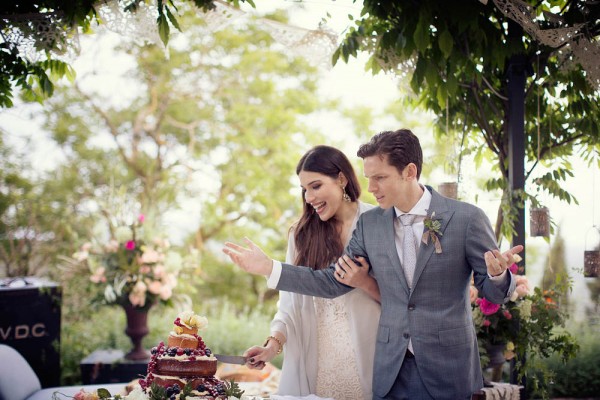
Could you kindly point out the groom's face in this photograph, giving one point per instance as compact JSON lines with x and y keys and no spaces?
{"x":385,"y":182}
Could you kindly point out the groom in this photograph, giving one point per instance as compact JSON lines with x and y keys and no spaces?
{"x":426,"y":341}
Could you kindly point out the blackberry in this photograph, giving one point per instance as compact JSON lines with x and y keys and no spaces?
{"x":172,"y":351}
{"x":201,"y":388}
{"x":207,"y":352}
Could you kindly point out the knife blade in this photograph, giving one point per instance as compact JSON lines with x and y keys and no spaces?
{"x":230,"y":359}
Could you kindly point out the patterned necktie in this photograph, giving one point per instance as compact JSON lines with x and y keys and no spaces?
{"x":409,"y":247}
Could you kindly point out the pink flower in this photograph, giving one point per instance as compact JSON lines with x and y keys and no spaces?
{"x":166,"y":292}
{"x":81,"y":256}
{"x":155,"y":287}
{"x":130,"y":245}
{"x":98,"y":275}
{"x":159,"y":271}
{"x":160,"y":242}
{"x":514,"y":269}
{"x":144,"y":269}
{"x":83,"y":395}
{"x":137,"y":297}
{"x":150,"y":256}
{"x":487,"y":307}
{"x":486,"y":322}
{"x":141,"y":218}
{"x":507,"y":314}
{"x":112,"y":246}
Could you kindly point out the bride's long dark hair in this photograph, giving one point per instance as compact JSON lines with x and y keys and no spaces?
{"x":318,"y":243}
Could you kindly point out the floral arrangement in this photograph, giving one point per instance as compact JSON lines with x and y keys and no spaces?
{"x":130,"y":270}
{"x":526,"y":328}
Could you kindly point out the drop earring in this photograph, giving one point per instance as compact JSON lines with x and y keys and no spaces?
{"x":345,"y":196}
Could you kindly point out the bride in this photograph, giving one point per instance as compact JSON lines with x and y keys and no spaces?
{"x":328,"y":344}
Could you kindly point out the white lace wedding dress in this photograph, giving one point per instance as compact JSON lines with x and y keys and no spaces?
{"x":337,"y":372}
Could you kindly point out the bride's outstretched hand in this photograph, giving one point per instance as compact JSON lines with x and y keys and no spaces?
{"x":251,"y":259}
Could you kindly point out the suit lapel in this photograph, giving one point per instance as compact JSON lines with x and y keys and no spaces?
{"x":444,"y":215}
{"x":387,"y":219}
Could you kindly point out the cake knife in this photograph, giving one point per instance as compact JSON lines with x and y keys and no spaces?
{"x":231,"y":359}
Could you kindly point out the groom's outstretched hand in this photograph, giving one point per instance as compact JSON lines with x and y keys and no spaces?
{"x":497,"y":263}
{"x":251,"y":259}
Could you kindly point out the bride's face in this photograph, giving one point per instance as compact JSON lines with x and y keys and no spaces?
{"x":322,"y":192}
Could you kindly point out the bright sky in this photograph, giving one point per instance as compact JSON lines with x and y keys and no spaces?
{"x":355,"y":86}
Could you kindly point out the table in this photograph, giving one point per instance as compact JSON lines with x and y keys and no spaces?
{"x":110,"y":366}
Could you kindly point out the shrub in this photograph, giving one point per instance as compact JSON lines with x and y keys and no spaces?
{"x":579,"y":377}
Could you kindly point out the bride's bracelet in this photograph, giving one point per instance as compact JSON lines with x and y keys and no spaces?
{"x":278,"y":342}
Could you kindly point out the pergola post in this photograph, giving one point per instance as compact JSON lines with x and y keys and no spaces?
{"x":517,"y":70}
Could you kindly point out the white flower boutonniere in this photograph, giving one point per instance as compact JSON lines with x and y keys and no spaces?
{"x":432,"y":230}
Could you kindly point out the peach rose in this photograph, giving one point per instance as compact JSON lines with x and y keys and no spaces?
{"x":155,"y":287}
{"x":98,"y":275}
{"x":150,"y":256}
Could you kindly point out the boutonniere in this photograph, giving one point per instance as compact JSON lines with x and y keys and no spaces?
{"x":432,"y":230}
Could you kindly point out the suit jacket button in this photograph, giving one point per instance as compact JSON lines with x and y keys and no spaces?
{"x":411,"y":307}
{"x":406,"y":335}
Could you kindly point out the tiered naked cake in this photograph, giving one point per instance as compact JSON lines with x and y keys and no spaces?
{"x":185,"y":364}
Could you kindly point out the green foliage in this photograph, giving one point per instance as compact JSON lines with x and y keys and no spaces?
{"x":233,"y":389}
{"x":531,"y":328}
{"x":543,"y":336}
{"x":556,"y":265}
{"x":31,"y":236}
{"x":458,"y":66}
{"x":578,"y":377}
{"x":186,"y":391}
{"x":102,"y":329}
{"x":159,"y":392}
{"x":32,"y":77}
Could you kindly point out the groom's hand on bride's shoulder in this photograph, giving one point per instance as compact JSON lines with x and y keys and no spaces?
{"x":251,"y":259}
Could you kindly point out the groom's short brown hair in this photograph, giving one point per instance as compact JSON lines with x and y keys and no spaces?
{"x":401,"y":147}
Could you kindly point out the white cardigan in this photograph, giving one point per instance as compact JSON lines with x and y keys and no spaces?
{"x":296,"y":320}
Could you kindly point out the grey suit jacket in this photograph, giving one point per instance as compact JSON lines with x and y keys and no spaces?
{"x":437,"y":314}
